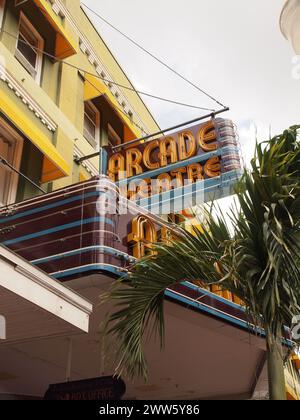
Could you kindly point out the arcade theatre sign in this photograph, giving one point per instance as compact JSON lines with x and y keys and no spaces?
{"x":195,"y":154}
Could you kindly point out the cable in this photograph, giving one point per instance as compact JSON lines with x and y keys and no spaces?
{"x":150,"y":136}
{"x":5,"y":162}
{"x":213,"y":112}
{"x":153,"y":56}
{"x":104,"y":79}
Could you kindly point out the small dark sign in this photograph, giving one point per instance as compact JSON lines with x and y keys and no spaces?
{"x":99,"y":389}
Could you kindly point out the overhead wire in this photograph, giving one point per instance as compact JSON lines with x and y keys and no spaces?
{"x":97,"y":76}
{"x":153,"y":56}
{"x":85,"y":72}
{"x":146,"y":139}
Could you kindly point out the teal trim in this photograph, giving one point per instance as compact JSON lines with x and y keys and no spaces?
{"x":94,"y":267}
{"x":58,"y":229}
{"x":109,"y":250}
{"x":214,"y":296}
{"x":208,"y":309}
{"x":173,"y":295}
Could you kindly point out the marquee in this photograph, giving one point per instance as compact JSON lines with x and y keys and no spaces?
{"x":188,"y":167}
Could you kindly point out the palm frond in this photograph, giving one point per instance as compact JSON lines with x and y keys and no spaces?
{"x":257,"y":259}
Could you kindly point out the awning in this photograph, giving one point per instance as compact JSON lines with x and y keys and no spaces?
{"x":94,"y":87}
{"x":36,"y":306}
{"x":65,"y":44}
{"x":55,"y":166}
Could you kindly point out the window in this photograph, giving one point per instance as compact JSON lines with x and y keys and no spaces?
{"x":11,"y":145}
{"x":91,"y":124}
{"x":113,"y":138}
{"x":29,"y":48}
{"x":2,"y":4}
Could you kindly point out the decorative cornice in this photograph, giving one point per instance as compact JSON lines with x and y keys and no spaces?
{"x":57,"y":8}
{"x":32,"y":105}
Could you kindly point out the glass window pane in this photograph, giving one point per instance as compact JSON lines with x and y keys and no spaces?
{"x":28,"y":35}
{"x":27,"y":51}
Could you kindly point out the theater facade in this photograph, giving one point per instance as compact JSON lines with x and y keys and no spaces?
{"x":70,"y":226}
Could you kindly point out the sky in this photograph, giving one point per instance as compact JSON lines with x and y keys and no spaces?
{"x":233,"y":49}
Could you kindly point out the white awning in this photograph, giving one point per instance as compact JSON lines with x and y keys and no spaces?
{"x":36,"y":306}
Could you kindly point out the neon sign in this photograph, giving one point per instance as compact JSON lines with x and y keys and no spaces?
{"x":197,"y":154}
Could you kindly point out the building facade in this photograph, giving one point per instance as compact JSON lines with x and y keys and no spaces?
{"x":54,"y":106}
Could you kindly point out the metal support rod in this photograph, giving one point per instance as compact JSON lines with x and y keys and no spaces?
{"x":144,"y":139}
{"x":4,"y":162}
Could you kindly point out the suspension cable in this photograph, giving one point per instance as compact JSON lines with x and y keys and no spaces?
{"x":150,"y":136}
{"x":6,"y":163}
{"x":153,"y":56}
{"x":132,"y":89}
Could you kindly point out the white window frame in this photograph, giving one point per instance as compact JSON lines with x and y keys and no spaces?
{"x":12,"y":187}
{"x":95,"y":142}
{"x":2,"y":7}
{"x":37,"y":71}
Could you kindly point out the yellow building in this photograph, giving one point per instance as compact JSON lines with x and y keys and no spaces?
{"x":51,"y":112}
